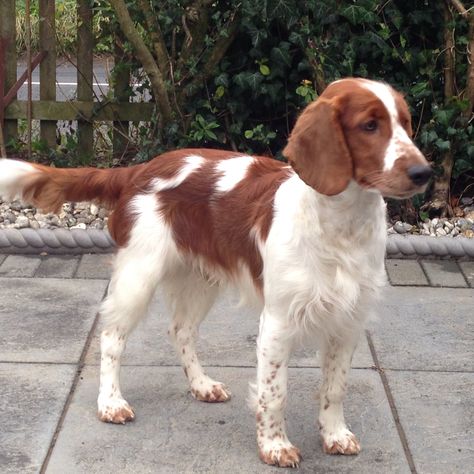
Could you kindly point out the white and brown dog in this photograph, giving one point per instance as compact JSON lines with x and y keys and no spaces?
{"x":307,"y":240}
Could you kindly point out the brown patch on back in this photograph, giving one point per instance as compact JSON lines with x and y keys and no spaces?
{"x":164,"y":166}
{"x":218,"y":226}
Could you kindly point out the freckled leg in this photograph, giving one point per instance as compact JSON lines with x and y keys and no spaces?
{"x":192,"y":301}
{"x":112,"y":407}
{"x":273,"y":352}
{"x":336,"y":356}
{"x":131,"y":289}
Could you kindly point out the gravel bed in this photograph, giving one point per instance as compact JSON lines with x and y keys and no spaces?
{"x":17,"y":215}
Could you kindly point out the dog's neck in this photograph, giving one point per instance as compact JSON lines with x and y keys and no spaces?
{"x":356,"y":213}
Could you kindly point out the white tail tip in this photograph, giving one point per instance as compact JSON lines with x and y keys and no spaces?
{"x":12,"y":177}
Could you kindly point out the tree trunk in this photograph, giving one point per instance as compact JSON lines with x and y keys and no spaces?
{"x":146,"y":59}
{"x":440,"y":193}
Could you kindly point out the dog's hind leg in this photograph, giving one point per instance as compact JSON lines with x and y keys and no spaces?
{"x":191,"y":298}
{"x":131,"y":289}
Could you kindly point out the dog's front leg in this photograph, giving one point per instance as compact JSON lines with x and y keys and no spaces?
{"x":336,"y":356}
{"x":273,"y":351}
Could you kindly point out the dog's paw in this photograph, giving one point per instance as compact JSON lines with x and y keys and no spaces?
{"x":280,"y":454}
{"x":115,"y":410}
{"x":340,"y":442}
{"x":210,"y":391}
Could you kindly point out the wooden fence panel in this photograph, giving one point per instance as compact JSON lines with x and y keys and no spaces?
{"x":47,"y":42}
{"x":8,"y":33}
{"x":82,"y":111}
{"x":85,"y":110}
{"x":85,"y":75}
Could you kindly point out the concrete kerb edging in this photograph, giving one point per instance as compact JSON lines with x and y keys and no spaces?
{"x":81,"y":241}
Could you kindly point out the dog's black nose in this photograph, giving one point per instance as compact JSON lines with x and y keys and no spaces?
{"x":419,"y":174}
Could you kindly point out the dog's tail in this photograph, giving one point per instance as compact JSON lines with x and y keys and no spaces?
{"x":48,"y":188}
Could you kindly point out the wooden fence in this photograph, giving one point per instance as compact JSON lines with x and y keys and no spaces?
{"x":47,"y":109}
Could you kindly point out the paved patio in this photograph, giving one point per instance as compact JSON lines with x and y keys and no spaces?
{"x":410,"y":398}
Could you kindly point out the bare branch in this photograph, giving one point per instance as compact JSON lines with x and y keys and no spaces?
{"x":449,"y":58}
{"x":215,"y":56}
{"x":457,"y":4}
{"x":156,"y":35}
{"x":318,"y":71}
{"x":145,"y":57}
{"x":470,"y":71}
{"x":194,"y":22}
{"x":469,"y":91}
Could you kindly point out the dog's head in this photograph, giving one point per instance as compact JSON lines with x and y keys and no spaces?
{"x":358,"y":130}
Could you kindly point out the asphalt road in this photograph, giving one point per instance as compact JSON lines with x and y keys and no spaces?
{"x":66,"y":80}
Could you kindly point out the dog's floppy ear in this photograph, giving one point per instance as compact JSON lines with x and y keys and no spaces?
{"x":317,"y":149}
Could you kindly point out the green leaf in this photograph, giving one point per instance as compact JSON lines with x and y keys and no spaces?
{"x":264,"y":70}
{"x":384,"y":31}
{"x":357,"y":14}
{"x":210,"y":134}
{"x":443,"y":145}
{"x":220,"y":91}
{"x":281,"y":54}
{"x":302,"y":91}
{"x":420,"y":89}
{"x":442,"y":117}
{"x":254,"y":80}
{"x":424,"y":215}
{"x":248,"y":134}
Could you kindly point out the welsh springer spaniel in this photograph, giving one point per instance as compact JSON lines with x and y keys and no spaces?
{"x":305,"y":239}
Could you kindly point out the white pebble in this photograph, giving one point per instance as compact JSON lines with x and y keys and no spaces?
{"x":94,"y":209}
{"x":79,"y":226}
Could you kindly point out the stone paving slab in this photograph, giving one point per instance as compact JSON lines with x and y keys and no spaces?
{"x":20,"y":266}
{"x":444,"y":273}
{"x":63,"y":266}
{"x":46,"y":320}
{"x":173,"y":433}
{"x":227,"y":338}
{"x":468,"y":270}
{"x":426,"y":329}
{"x":95,"y":266}
{"x":405,"y":272}
{"x":437,"y":413}
{"x":31,"y":400}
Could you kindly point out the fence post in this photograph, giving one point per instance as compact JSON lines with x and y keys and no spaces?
{"x":121,"y":94}
{"x":8,"y":33}
{"x":85,"y":71}
{"x":47,"y":72}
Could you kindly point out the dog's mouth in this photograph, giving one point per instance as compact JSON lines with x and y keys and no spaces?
{"x":389,"y":188}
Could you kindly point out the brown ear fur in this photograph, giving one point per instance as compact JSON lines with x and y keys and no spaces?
{"x":317,"y":149}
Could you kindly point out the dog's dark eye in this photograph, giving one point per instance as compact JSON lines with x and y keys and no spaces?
{"x":370,"y":126}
